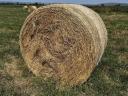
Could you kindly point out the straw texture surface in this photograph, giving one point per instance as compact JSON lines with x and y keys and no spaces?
{"x":63,"y":41}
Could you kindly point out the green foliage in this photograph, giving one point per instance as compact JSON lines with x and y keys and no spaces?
{"x":109,"y":9}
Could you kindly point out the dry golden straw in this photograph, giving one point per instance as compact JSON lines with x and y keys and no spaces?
{"x":63,"y":41}
{"x":30,"y":8}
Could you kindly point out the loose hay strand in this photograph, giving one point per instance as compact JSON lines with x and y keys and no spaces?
{"x":63,"y":41}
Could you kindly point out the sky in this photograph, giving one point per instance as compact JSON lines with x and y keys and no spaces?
{"x":72,"y":1}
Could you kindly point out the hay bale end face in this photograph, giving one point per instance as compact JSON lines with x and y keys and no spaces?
{"x":63,"y":41}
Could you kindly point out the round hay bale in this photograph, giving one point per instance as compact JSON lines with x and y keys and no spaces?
{"x":63,"y":41}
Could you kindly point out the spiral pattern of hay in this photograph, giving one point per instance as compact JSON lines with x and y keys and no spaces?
{"x":63,"y":41}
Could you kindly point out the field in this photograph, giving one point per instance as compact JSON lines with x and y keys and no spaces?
{"x":110,"y":78}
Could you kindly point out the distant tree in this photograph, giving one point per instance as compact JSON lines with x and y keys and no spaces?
{"x":116,"y":7}
{"x":17,"y":3}
{"x":36,"y":4}
{"x":102,"y":5}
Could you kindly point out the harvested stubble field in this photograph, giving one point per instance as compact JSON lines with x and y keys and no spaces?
{"x":110,"y":78}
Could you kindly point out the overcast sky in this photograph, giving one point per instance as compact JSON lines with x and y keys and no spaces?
{"x":72,"y":1}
